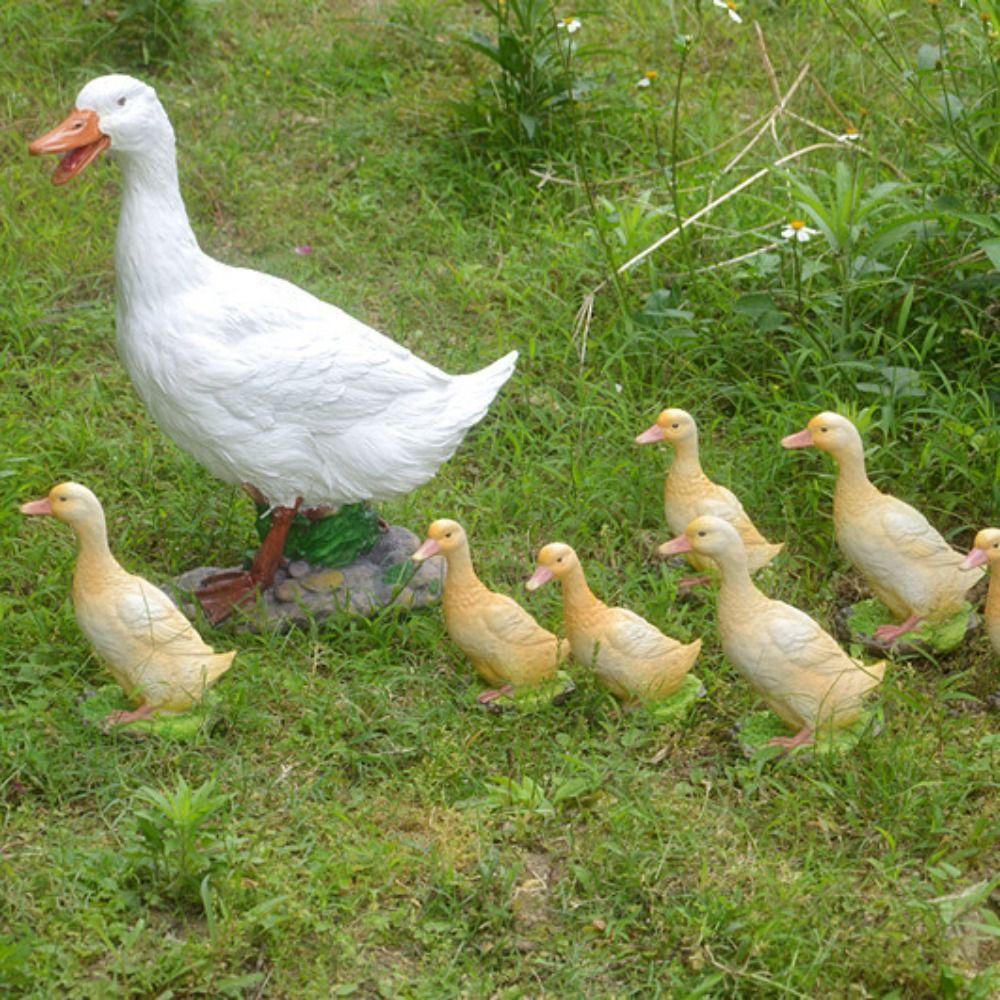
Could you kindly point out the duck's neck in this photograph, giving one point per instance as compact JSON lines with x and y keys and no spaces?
{"x":686,"y":464}
{"x":156,"y":251}
{"x":736,"y":588}
{"x":579,"y":602}
{"x":852,"y":478}
{"x":94,"y":561}
{"x":461,"y":575}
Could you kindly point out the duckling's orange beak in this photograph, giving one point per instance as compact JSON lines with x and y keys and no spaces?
{"x":428,"y":549}
{"x":651,"y":436}
{"x":977,"y":557}
{"x":37,"y":508}
{"x":80,"y":137}
{"x":676,"y":546}
{"x":539,"y":578}
{"x":804,"y":439}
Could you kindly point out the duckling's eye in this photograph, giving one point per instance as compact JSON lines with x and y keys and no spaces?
{"x":824,"y":429}
{"x":560,"y":559}
{"x":675,"y":426}
{"x":701,"y":534}
{"x":63,"y":499}
{"x":448,"y":535}
{"x":121,"y":102}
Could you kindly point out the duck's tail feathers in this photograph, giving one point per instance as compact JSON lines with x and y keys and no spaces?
{"x":682,"y":659}
{"x":761,"y":555}
{"x":476,"y":391}
{"x":216,"y":665}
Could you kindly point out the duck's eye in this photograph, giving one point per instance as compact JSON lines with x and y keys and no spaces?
{"x":824,"y":429}
{"x":675,"y":426}
{"x":701,"y":534}
{"x":63,"y":499}
{"x":448,"y":535}
{"x":122,"y":101}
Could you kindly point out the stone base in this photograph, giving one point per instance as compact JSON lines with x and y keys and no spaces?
{"x":302,"y":593}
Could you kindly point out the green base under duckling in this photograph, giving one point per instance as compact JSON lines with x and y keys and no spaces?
{"x":863,"y":618}
{"x":533,"y":699}
{"x":757,"y":729}
{"x":180,"y":728}
{"x":675,"y":707}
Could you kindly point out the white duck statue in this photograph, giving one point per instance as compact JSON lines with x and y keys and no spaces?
{"x":264,"y":384}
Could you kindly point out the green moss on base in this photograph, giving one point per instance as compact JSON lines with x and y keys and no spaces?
{"x":332,"y":541}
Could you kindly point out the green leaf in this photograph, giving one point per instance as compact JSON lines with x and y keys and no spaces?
{"x":992,"y":250}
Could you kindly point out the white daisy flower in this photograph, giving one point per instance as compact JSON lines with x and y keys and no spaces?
{"x":851,"y":135}
{"x":798,"y":232}
{"x":571,"y":24}
{"x":646,"y":80}
{"x":730,"y":6}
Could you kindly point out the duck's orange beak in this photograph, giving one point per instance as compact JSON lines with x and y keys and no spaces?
{"x":651,"y":436}
{"x":675,"y":546}
{"x":977,"y":557}
{"x":804,"y":439}
{"x":80,"y":137}
{"x":36,"y":508}
{"x":428,"y":549}
{"x":541,"y":576}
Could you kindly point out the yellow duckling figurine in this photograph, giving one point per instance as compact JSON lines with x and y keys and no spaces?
{"x":986,"y":550}
{"x":908,"y":565}
{"x":797,"y":668}
{"x":632,"y":658}
{"x":688,"y":493}
{"x":508,"y":648}
{"x":152,"y":650}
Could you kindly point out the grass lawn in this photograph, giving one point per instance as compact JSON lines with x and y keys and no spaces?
{"x":367,"y":831}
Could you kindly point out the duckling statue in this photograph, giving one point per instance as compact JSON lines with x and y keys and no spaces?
{"x":508,"y":648}
{"x":986,"y":551}
{"x":151,"y":649}
{"x":688,"y":493}
{"x":798,"y":669}
{"x":908,"y":565}
{"x":632,"y":658}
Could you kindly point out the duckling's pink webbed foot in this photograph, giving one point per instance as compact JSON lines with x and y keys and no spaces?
{"x":890,"y":633}
{"x":802,"y":738}
{"x":488,"y":697}
{"x":125,"y":718}
{"x":690,"y":582}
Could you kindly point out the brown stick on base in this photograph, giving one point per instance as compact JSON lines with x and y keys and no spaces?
{"x":221,"y":594}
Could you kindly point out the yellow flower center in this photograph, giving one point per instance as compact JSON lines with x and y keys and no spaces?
{"x":851,"y":131}
{"x":651,"y":74}
{"x":797,"y":224}
{"x":730,"y":4}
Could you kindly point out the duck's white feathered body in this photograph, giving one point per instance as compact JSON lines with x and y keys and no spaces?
{"x":260,"y":381}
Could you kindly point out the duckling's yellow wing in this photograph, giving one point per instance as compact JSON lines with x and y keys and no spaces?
{"x":631,"y":636}
{"x":803,"y":644}
{"x":911,"y":533}
{"x":507,"y":621}
{"x":151,"y":618}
